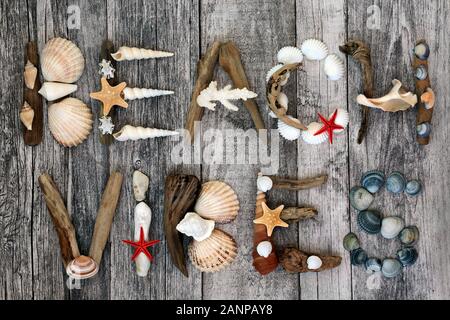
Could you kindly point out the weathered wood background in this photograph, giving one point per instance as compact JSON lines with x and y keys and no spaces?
{"x":30,"y":263}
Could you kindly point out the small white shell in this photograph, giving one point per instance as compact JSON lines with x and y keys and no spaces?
{"x":195,"y":226}
{"x":52,"y":91}
{"x":309,"y":137}
{"x":290,"y":55}
{"x":314,"y":262}
{"x":342,"y":119}
{"x":283,"y":100}
{"x":274,"y":70}
{"x":334,"y":67}
{"x":140,"y":185}
{"x":264,"y":183}
{"x":288,"y":132}
{"x":264,"y":249}
{"x":314,"y":49}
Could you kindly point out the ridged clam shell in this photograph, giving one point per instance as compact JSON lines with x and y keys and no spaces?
{"x":391,"y":227}
{"x":214,"y":253}
{"x":391,"y":268}
{"x":309,"y":135}
{"x":70,"y":121}
{"x":409,"y":235}
{"x":82,"y":268}
{"x":373,"y":181}
{"x":358,"y":257}
{"x":407,"y":256}
{"x":218,"y":202}
{"x":274,"y":70}
{"x":289,"y":55}
{"x":314,"y":49}
{"x":61,"y":61}
{"x":396,"y":183}
{"x":334,"y":67}
{"x":369,"y":221}
{"x":373,"y":265}
{"x":351,"y":242}
{"x":52,"y":91}
{"x":413,"y":188}
{"x":342,"y":119}
{"x":360,"y":198}
{"x":288,"y":132}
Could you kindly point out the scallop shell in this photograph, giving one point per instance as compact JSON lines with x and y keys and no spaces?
{"x":52,"y":91}
{"x":195,"y":226}
{"x":334,"y":67}
{"x":391,"y":268}
{"x":290,"y":55}
{"x":273,"y":71}
{"x":342,"y":119}
{"x":70,"y":121}
{"x":391,"y":227}
{"x":27,"y":115}
{"x":283,"y":101}
{"x":214,"y":253}
{"x":61,"y":61}
{"x":29,"y":75}
{"x":218,"y":202}
{"x":309,"y":135}
{"x":314,"y":49}
{"x":288,"y":132}
{"x":82,"y":267}
{"x":264,"y":183}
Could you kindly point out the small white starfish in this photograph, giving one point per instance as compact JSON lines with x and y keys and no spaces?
{"x":106,"y":126}
{"x":106,"y":69}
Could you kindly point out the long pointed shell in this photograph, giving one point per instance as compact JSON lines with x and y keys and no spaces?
{"x":27,"y":115}
{"x":314,"y":49}
{"x":218,"y":202}
{"x":141,"y":93}
{"x":214,"y":253}
{"x":136,"y":133}
{"x":52,"y":91}
{"x":288,"y":132}
{"x":309,"y":135}
{"x":290,"y":55}
{"x":61,"y":61}
{"x":142,"y":219}
{"x":29,"y":75}
{"x":334,"y":67}
{"x":195,"y":226}
{"x":70,"y":121}
{"x":128,"y":53}
{"x":82,"y":268}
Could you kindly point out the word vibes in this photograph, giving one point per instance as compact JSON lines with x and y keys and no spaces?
{"x":245,"y":309}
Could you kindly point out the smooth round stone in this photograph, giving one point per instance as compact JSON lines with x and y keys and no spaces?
{"x":358,"y":257}
{"x":369,"y":221}
{"x":373,"y":265}
{"x":351,"y":242}
{"x":413,"y":188}
{"x":409,"y":235}
{"x":407,"y":256}
{"x":373,"y":181}
{"x":391,"y":227}
{"x":396,"y":183}
{"x":360,"y":198}
{"x":391,"y":268}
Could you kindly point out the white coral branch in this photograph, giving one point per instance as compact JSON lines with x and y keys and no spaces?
{"x":224,"y":96}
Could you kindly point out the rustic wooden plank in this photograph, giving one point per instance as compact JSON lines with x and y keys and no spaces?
{"x":235,"y":20}
{"x":323,"y":20}
{"x":16,"y":160}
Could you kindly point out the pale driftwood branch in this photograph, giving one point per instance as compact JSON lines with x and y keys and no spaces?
{"x":294,"y":215}
{"x":61,"y":219}
{"x":105,"y":216}
{"x":294,"y":260}
{"x":295,"y":185}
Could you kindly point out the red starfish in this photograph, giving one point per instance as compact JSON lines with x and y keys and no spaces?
{"x":141,"y":246}
{"x":329,"y":126}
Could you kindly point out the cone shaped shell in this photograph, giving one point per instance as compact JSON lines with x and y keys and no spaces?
{"x":29,"y":75}
{"x":70,"y":121}
{"x":82,"y":268}
{"x":52,"y":91}
{"x":214,"y":253}
{"x":61,"y":61}
{"x":217,"y":201}
{"x":137,"y":133}
{"x":27,"y":116}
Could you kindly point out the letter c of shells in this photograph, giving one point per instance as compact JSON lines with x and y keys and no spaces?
{"x":218,"y":202}
{"x":81,"y":268}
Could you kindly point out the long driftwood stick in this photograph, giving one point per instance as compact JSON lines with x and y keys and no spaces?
{"x":294,"y":260}
{"x":230,"y":61}
{"x":61,"y":219}
{"x":294,"y":215}
{"x":361,"y":53}
{"x":296,"y":185}
{"x":205,"y":73}
{"x":34,"y":136}
{"x":105,"y":216}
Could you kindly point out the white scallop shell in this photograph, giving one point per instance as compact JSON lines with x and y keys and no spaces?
{"x":288,"y":132}
{"x":334,"y":67}
{"x":290,"y":55}
{"x":81,"y":268}
{"x":314,"y":262}
{"x":283,"y":100}
{"x":309,"y":137}
{"x":218,"y":202}
{"x":61,"y":61}
{"x":275,"y":69}
{"x":70,"y":121}
{"x":264,"y":248}
{"x":342,"y":119}
{"x":314,"y":49}
{"x":195,"y":226}
{"x":264,"y":183}
{"x":214,"y":253}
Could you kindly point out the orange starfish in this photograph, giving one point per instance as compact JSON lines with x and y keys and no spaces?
{"x":271,"y":218}
{"x":110,"y":96}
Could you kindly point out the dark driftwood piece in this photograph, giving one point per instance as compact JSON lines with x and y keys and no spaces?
{"x":295,"y":185}
{"x":61,"y":219}
{"x":105,"y":53}
{"x":361,"y":53}
{"x":424,"y":115}
{"x":294,"y":215}
{"x":294,"y":260}
{"x":180,"y":194}
{"x":105,"y":216}
{"x":230,"y":61}
{"x":205,"y":73}
{"x":34,"y":99}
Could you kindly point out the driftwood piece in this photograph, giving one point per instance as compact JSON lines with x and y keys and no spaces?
{"x":205,"y":73}
{"x":296,"y":185}
{"x":230,"y":61}
{"x":273,"y":90}
{"x":33,"y":98}
{"x":105,"y":216}
{"x":294,"y":260}
{"x":180,"y":193}
{"x":424,"y":115}
{"x":105,"y":53}
{"x":360,"y":51}
{"x":61,"y":219}
{"x":293,"y":215}
{"x":263,"y":265}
